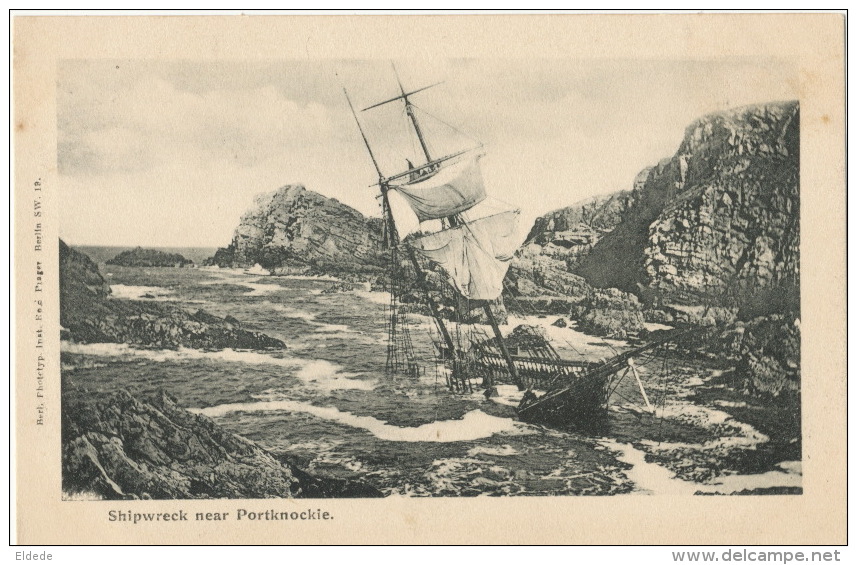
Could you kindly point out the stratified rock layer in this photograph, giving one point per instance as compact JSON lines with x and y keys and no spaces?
{"x":719,"y":222}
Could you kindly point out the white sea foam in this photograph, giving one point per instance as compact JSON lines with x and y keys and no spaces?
{"x":180,"y":354}
{"x":569,"y":339}
{"x":378,"y":297}
{"x":257,"y":269}
{"x":289,"y":312}
{"x":260,"y":289}
{"x":744,"y":434}
{"x":474,"y":425}
{"x":321,"y":327}
{"x":652,"y":478}
{"x":649,"y":478}
{"x":244,"y":278}
{"x":326,"y":375}
{"x":138,"y":292}
{"x":508,"y":395}
{"x":788,"y":475}
{"x":317,"y":373}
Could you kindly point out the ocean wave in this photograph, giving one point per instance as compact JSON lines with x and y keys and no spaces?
{"x":321,"y":327}
{"x":652,"y":478}
{"x":138,"y":292}
{"x":244,"y":279}
{"x":474,"y":425}
{"x":318,"y":373}
{"x":289,"y":312}
{"x":378,"y":297}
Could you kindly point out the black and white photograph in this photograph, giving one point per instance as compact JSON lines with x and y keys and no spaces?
{"x":421,"y":276}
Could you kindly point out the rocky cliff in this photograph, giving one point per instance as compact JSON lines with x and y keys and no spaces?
{"x":570,"y":233}
{"x":294,"y":230}
{"x":88,"y":314}
{"x":116,"y":446}
{"x":140,"y":257}
{"x":719,"y":222}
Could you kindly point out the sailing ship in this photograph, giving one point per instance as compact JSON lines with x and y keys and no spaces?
{"x":472,"y":251}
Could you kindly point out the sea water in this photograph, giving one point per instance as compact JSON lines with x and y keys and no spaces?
{"x":325,"y":402}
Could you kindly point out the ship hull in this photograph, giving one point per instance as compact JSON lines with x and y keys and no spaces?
{"x":579,"y":405}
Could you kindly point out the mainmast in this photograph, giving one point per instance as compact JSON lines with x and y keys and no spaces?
{"x":449,"y":219}
{"x":409,"y":108}
{"x":410,"y":111}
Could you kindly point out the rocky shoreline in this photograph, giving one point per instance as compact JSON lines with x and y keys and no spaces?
{"x":117,"y":446}
{"x":88,"y":315}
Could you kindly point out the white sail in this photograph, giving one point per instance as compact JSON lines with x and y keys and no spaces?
{"x":453,"y":189}
{"x":476,"y":254}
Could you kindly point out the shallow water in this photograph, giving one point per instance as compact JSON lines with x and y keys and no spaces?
{"x":326,"y":403}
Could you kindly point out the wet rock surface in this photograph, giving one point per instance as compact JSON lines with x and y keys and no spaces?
{"x":770,"y":356}
{"x":116,"y":446}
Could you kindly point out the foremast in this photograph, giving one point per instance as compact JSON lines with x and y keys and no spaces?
{"x":392,"y":239}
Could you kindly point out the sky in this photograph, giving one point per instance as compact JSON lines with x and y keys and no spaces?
{"x":172,"y":153}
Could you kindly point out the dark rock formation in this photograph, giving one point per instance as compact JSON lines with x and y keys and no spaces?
{"x":89,"y":315}
{"x":79,"y":275}
{"x":118,"y":447}
{"x":569,"y":233}
{"x":770,"y":355}
{"x":541,"y":284}
{"x":293,"y":230}
{"x":140,"y":257}
{"x":609,"y":312}
{"x":719,"y":222}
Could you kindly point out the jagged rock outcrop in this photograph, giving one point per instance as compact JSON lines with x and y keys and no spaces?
{"x":294,"y":230}
{"x":79,"y":276}
{"x":769,"y":360}
{"x":541,"y":284}
{"x":609,"y":312}
{"x":88,"y":315}
{"x":116,"y":446}
{"x":719,"y":222}
{"x":140,"y":257}
{"x":569,"y":233}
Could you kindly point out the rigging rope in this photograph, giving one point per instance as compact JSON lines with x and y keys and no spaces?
{"x":468,"y":136}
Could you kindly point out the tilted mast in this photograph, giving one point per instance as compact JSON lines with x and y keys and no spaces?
{"x":479,"y":265}
{"x":394,"y":238}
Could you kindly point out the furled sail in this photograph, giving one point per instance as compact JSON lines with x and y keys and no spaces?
{"x":453,"y":189}
{"x":476,"y":254}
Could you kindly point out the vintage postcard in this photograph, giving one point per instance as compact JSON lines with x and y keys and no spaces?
{"x":429,"y":279}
